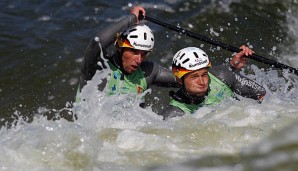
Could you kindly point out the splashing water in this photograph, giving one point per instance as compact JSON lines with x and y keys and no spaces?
{"x":114,"y":133}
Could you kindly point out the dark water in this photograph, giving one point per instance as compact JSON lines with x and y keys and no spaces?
{"x":42,"y":44}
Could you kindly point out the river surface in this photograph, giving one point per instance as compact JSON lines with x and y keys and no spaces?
{"x":42,"y":44}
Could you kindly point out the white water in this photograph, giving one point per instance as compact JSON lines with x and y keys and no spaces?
{"x":113,"y":133}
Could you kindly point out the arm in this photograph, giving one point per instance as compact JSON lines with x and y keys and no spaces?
{"x":106,"y":37}
{"x":238,"y":83}
{"x":158,"y":75}
{"x":237,"y":62}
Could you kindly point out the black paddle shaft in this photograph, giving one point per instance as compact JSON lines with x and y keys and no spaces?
{"x":220,"y":44}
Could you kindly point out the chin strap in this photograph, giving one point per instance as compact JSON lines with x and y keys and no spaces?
{"x":182,"y":96}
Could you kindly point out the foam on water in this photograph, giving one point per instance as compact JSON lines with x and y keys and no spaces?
{"x":114,"y":133}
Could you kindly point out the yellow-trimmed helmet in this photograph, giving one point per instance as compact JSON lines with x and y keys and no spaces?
{"x":189,"y":59}
{"x":137,"y":37}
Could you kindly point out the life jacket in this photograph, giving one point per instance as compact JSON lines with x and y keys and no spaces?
{"x":218,"y":91}
{"x":132,"y":83}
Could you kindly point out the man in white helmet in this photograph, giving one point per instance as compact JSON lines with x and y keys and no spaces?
{"x":130,"y":74}
{"x":203,"y":86}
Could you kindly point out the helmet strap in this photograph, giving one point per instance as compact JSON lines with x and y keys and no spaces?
{"x":182,"y":96}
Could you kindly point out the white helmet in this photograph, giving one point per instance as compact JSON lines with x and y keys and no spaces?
{"x":189,"y":59}
{"x":137,"y":37}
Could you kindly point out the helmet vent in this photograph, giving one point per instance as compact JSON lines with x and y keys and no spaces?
{"x":196,"y":55}
{"x":133,"y":36}
{"x":182,"y":56}
{"x":186,"y":60}
{"x":132,"y":30}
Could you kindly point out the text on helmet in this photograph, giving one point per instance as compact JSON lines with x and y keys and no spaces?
{"x":198,"y":63}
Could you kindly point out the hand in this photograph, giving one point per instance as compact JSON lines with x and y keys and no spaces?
{"x":136,"y":11}
{"x":240,"y":59}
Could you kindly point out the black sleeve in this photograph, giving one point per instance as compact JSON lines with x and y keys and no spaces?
{"x":238,"y":83}
{"x":158,"y":75}
{"x":106,"y":37}
{"x":171,"y":111}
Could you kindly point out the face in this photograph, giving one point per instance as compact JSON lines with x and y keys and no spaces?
{"x":197,"y":82}
{"x":132,"y":59}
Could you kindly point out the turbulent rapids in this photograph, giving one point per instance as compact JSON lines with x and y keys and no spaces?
{"x":44,"y":129}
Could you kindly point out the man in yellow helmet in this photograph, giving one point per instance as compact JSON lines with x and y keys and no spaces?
{"x":204,"y":86}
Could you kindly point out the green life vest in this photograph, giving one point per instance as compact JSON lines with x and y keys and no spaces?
{"x":132,"y":83}
{"x":218,"y":91}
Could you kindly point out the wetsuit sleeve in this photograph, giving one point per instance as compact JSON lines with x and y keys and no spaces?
{"x":158,"y":75}
{"x":171,"y":111}
{"x":238,"y":83}
{"x":104,"y":38}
